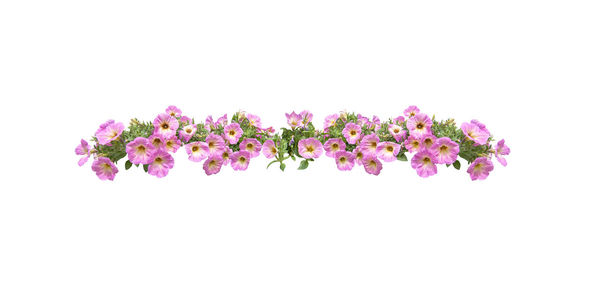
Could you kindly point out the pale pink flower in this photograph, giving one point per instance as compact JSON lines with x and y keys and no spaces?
{"x":413,"y":144}
{"x":161,"y":163}
{"x":310,"y":148}
{"x":424,"y":163}
{"x":83,"y":149}
{"x":358,"y":156}
{"x":500,"y":151}
{"x":330,"y":120}
{"x":165,"y":125}
{"x":254,"y":120}
{"x":140,"y":151}
{"x":474,"y":133}
{"x":419,"y":125}
{"x":213,"y":164}
{"x":104,"y":168}
{"x":187,"y":132}
{"x":387,"y":151}
{"x":480,"y":168}
{"x":352,"y":133}
{"x":399,"y":120}
{"x":428,"y":140}
{"x":251,"y":145}
{"x":294,"y":119}
{"x":226,"y":155}
{"x":173,"y":111}
{"x":445,"y":150}
{"x":306,"y":117}
{"x":344,"y":160}
{"x":222,"y":120}
{"x":157,"y":141}
{"x":216,"y":144}
{"x":481,"y":126}
{"x":371,"y":164}
{"x":240,"y":160}
{"x":368,"y":144}
{"x":397,"y":132}
{"x":411,"y":111}
{"x":268,"y":149}
{"x":232,"y":133}
{"x":197,"y":151}
{"x":109,"y":132}
{"x":172,"y":144}
{"x":334,"y":145}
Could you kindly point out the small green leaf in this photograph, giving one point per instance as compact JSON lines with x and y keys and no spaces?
{"x":128,"y":165}
{"x":282,"y":166}
{"x":402,"y":157}
{"x":146,"y":168}
{"x":293,"y":157}
{"x":456,"y":164}
{"x":303,"y":165}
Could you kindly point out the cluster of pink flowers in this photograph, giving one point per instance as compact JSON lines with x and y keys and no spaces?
{"x":346,"y":138}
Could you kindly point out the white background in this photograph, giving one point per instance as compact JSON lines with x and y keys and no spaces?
{"x":529,"y":70}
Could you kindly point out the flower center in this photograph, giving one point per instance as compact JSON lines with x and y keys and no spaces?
{"x":335,"y":146}
{"x":231,"y":132}
{"x":310,"y":149}
{"x":426,"y":160}
{"x":158,"y":159}
{"x":242,"y":159}
{"x":141,"y":148}
{"x":443,"y":148}
{"x":390,"y":149}
{"x":352,"y":132}
{"x":372,"y":164}
{"x":165,"y":126}
{"x":189,"y":130}
{"x":250,"y":146}
{"x":420,"y":126}
{"x":342,"y":159}
{"x":195,"y":148}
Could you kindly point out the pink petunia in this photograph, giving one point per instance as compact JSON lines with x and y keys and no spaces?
{"x":165,"y":125}
{"x":251,"y":145}
{"x":481,"y":126}
{"x":424,"y":163}
{"x":310,"y":148}
{"x":352,"y":133}
{"x":480,"y":168}
{"x":413,"y":144}
{"x":387,"y":151}
{"x":83,"y":149}
{"x":254,"y":120}
{"x":428,"y":140}
{"x":109,"y":132}
{"x":232,"y":133}
{"x":371,"y":164}
{"x":104,"y":168}
{"x":187,"y":132}
{"x":157,"y":141}
{"x":500,"y":151}
{"x":173,"y":111}
{"x":140,"y":151}
{"x":216,"y":144}
{"x":306,"y":117}
{"x":185,"y":120}
{"x":172,"y":144}
{"x":344,"y":160}
{"x":103,"y":126}
{"x":226,"y":155}
{"x":419,"y":125}
{"x":397,"y":132}
{"x":334,"y":145}
{"x":197,"y":151}
{"x":161,"y":163}
{"x":222,"y":121}
{"x":268,"y":149}
{"x":445,"y":150}
{"x":368,"y":144}
{"x":399,"y":120}
{"x":240,"y":160}
{"x":294,"y":119}
{"x":213,"y":165}
{"x":358,"y":156}
{"x":411,"y":111}
{"x":330,"y":120}
{"x":473,"y":132}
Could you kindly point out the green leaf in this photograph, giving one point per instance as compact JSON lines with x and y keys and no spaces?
{"x":146,"y":168}
{"x":456,"y":164}
{"x":402,"y":157}
{"x":293,"y":157}
{"x":128,"y":165}
{"x":303,"y":165}
{"x":282,"y":166}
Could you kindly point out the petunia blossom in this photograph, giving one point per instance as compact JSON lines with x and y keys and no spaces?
{"x":232,"y":133}
{"x":445,"y":150}
{"x":216,"y":144}
{"x":268,"y":149}
{"x":411,"y":111}
{"x":371,"y":164}
{"x":387,"y":151}
{"x":240,"y":160}
{"x":140,"y":151}
{"x":334,"y":145}
{"x":294,"y":119}
{"x":500,"y":151}
{"x":419,"y":125}
{"x":344,"y":160}
{"x":109,"y":133}
{"x":368,"y":144}
{"x":165,"y":125}
{"x":424,"y":163}
{"x":330,"y":120}
{"x":187,"y":132}
{"x":397,"y":132}
{"x":413,"y":144}
{"x":251,"y":145}
{"x":473,"y":132}
{"x":161,"y":163}
{"x":480,"y":168}
{"x":104,"y":168}
{"x":310,"y":148}
{"x":173,"y":111}
{"x":83,"y":149}
{"x":428,"y":140}
{"x":226,"y":155}
{"x":197,"y":151}
{"x":352,"y":133}
{"x":358,"y":155}
{"x":254,"y":120}
{"x":306,"y":117}
{"x":157,"y":141}
{"x":213,"y":164}
{"x":172,"y":144}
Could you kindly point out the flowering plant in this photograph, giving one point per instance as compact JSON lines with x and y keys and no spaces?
{"x":350,"y":139}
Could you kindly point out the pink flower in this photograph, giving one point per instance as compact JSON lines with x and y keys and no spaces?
{"x":361,"y":120}
{"x":334,"y":145}
{"x":216,"y":144}
{"x":480,"y":168}
{"x":185,"y":120}
{"x":157,"y":141}
{"x":251,"y":145}
{"x":232,"y":133}
{"x":225,"y":155}
{"x":358,"y":156}
{"x":209,"y":123}
{"x":83,"y":149}
{"x":103,"y":126}
{"x":213,"y":164}
{"x":413,"y":144}
{"x":481,"y":126}
{"x":306,"y":117}
{"x":165,"y":125}
{"x":268,"y":149}
{"x":500,"y":151}
{"x":104,"y":168}
{"x":424,"y":163}
{"x":411,"y":111}
{"x":344,"y":160}
{"x":368,"y":144}
{"x":428,"y":140}
{"x":473,"y":132}
{"x":294,"y":119}
{"x":419,"y":125}
{"x":387,"y":151}
{"x":445,"y":150}
{"x":254,"y":120}
{"x":240,"y":160}
{"x":109,"y":132}
{"x":161,"y":164}
{"x":372,"y":164}
{"x":172,"y":144}
{"x":173,"y":111}
{"x":352,"y":132}
{"x":399,"y":120}
{"x":222,"y":120}
{"x":140,"y":151}
{"x":310,"y":148}
{"x":197,"y":151}
{"x":330,"y":120}
{"x":187,"y":132}
{"x":397,"y":132}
